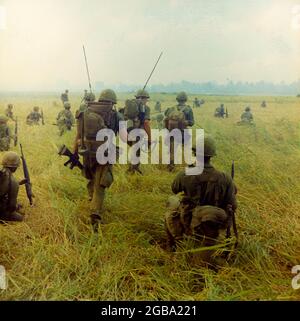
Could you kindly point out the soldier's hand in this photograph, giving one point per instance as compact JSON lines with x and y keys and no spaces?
{"x":23,"y":181}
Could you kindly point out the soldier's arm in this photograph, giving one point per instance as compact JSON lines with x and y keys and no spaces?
{"x":177,"y":185}
{"x":190,"y":117}
{"x":13,"y":194}
{"x":230,"y":193}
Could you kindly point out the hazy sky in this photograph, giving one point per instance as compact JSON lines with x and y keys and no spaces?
{"x":41,"y":41}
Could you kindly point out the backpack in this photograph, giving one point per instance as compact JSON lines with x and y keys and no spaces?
{"x":97,"y":116}
{"x":131,"y":110}
{"x":175,"y":119}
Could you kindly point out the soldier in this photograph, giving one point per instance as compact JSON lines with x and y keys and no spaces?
{"x":34,"y":117}
{"x":85,"y":95}
{"x":178,"y":117}
{"x":246,"y":117}
{"x":137,"y":113}
{"x":220,"y":111}
{"x":263,"y":104}
{"x":207,"y":203}
{"x":9,"y":188}
{"x":196,"y":103}
{"x":158,"y":119}
{"x":9,"y":113}
{"x":157,"y":107}
{"x":97,"y":116}
{"x":65,"y":96}
{"x":89,"y":97}
{"x":65,"y":119}
{"x":5,"y":134}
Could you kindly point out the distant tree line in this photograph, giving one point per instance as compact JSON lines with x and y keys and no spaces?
{"x":214,"y":88}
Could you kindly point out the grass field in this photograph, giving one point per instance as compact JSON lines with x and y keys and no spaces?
{"x":54,"y":255}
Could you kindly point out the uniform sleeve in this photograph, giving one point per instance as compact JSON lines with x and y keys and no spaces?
{"x":230,"y":193}
{"x":177,"y":185}
{"x":190,"y":117}
{"x":13,"y":194}
{"x":147,"y":113}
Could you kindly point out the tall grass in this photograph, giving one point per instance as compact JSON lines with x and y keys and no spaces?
{"x":54,"y":255}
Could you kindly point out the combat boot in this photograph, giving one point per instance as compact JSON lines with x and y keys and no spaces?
{"x":95,"y":221}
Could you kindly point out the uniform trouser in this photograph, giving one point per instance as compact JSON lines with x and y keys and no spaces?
{"x":101,"y":179}
{"x":10,"y":216}
{"x":179,"y":223}
{"x":133,"y":167}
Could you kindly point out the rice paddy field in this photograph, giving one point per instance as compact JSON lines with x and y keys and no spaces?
{"x":54,"y":255}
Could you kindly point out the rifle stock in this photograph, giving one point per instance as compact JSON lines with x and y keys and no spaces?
{"x":27,"y":178}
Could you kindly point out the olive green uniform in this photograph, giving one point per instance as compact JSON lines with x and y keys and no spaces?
{"x":65,"y":121}
{"x":9,"y":114}
{"x":99,"y":176}
{"x":5,"y":137}
{"x":247,"y":117}
{"x":203,"y":209}
{"x":188,"y":120}
{"x":143,"y":117}
{"x":33,"y":118}
{"x":157,"y":107}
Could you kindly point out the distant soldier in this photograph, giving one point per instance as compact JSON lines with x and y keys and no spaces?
{"x":220,"y":111}
{"x":9,"y":112}
{"x":65,"y":119}
{"x":34,"y":117}
{"x":158,"y":119}
{"x":178,"y":117}
{"x":137,"y":114}
{"x":246,"y":117}
{"x":204,"y":210}
{"x":89,"y":97}
{"x":196,"y":103}
{"x":97,"y":116}
{"x":263,"y":104}
{"x":157,"y":107}
{"x":65,"y":96}
{"x":5,"y":134}
{"x":9,"y":188}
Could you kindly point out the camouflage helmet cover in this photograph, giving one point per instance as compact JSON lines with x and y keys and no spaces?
{"x":67,"y":105}
{"x":90,"y":97}
{"x":10,"y":159}
{"x":209,"y":146}
{"x":36,"y":108}
{"x":108,"y":95}
{"x":182,"y":96}
{"x":142,"y":93}
{"x":247,"y":108}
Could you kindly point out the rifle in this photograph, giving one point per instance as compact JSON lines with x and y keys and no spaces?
{"x":27,"y":178}
{"x":16,"y":133}
{"x":73,"y":158}
{"x":42,"y":114}
{"x":232,"y":216}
